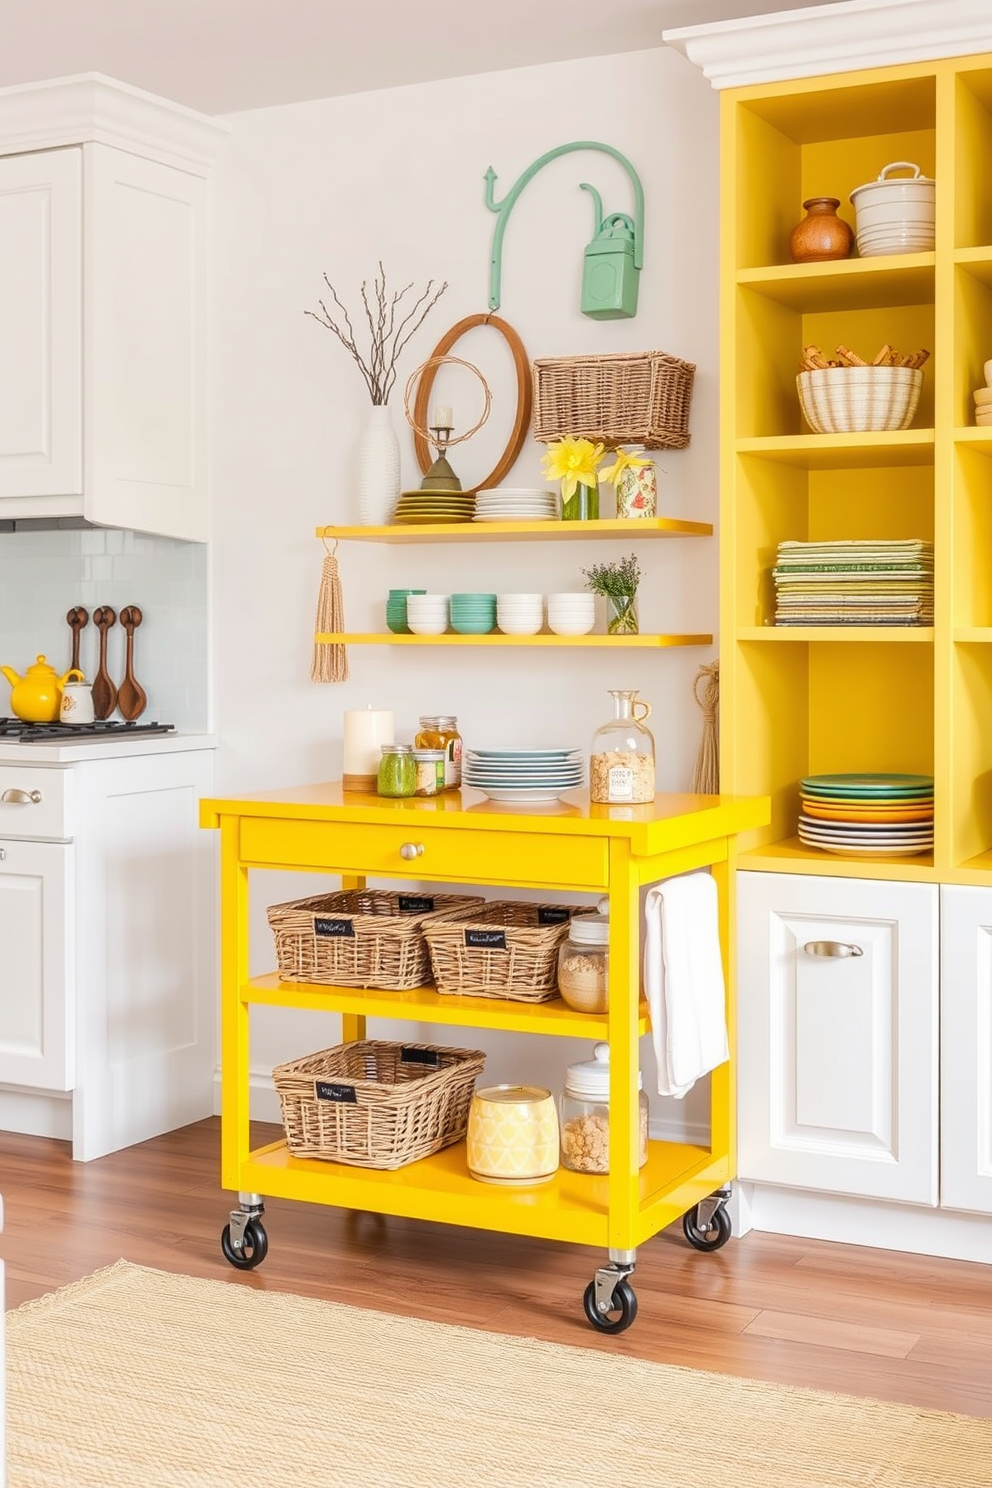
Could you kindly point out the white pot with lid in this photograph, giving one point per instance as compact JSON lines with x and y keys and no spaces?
{"x":895,"y":215}
{"x":585,"y":1115}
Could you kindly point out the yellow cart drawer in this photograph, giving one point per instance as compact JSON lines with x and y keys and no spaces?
{"x":479,"y":857}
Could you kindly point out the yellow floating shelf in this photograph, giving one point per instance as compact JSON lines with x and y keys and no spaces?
{"x":844,"y":451}
{"x":901,"y":634}
{"x":641,"y":642}
{"x":847,"y":284}
{"x":425,"y":1005}
{"x":520,"y":531}
{"x":793,"y":856}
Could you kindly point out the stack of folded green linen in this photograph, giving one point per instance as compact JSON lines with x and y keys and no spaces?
{"x":854,"y":583}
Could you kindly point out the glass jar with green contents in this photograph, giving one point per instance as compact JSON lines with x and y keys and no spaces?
{"x":397,"y":770}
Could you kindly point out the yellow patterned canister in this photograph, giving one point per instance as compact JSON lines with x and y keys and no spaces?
{"x":513,"y":1135}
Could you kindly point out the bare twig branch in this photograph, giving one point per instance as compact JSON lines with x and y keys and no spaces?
{"x":389,"y":329}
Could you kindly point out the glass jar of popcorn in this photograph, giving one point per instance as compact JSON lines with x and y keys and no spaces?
{"x":621,"y":767}
{"x":585,"y":1115}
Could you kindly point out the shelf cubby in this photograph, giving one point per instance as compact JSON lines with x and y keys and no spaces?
{"x":973,"y":145}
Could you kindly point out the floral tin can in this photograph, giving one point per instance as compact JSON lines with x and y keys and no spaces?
{"x":637,"y":488}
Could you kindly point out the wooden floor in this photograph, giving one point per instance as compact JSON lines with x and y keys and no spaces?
{"x":867,"y":1322}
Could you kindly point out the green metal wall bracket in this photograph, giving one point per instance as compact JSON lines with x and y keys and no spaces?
{"x":613,"y":259}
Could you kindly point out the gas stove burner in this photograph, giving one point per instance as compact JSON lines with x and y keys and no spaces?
{"x":79,"y":733}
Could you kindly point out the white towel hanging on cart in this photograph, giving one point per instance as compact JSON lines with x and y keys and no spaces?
{"x":683,"y":980}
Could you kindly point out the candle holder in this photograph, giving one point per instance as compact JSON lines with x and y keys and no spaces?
{"x":440,"y":434}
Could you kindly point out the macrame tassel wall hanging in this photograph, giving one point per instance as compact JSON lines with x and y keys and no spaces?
{"x":706,"y":772}
{"x":330,"y":659}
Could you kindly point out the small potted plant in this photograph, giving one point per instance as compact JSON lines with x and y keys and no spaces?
{"x":618,"y":583}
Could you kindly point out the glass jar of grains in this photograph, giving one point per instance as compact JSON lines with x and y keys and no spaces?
{"x":440,"y":731}
{"x":621,"y":767}
{"x":397,"y":770}
{"x":584,"y":964}
{"x":585,"y":1115}
{"x":430,"y":771}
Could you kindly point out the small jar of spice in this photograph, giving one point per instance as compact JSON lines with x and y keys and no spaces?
{"x":440,"y":731}
{"x":397,"y":770}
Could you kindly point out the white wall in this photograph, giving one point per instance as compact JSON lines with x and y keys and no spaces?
{"x":334,"y":186}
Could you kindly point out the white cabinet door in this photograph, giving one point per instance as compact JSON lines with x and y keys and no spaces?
{"x":40,"y":325}
{"x":37,"y":1042}
{"x":837,"y":1052}
{"x":966,"y":1048}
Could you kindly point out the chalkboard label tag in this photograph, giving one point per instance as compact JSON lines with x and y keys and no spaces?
{"x":328,"y":928}
{"x":420,"y":1056}
{"x":416,"y":904}
{"x":552,"y":916}
{"x":490,"y":940}
{"x":328,"y":1090}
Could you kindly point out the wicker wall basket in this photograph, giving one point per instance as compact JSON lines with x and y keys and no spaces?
{"x":617,"y":398}
{"x":374,"y":1104}
{"x":360,"y":937}
{"x":507,"y":950}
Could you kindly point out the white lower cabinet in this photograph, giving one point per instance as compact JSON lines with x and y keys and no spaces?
{"x":107,"y":948}
{"x":838,"y":1035}
{"x":966,"y":1049}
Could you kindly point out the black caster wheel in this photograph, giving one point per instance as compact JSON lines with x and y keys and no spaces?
{"x":712,"y":1238}
{"x":254,"y":1249}
{"x":622,"y":1312}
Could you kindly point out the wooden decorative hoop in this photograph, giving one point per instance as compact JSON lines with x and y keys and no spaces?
{"x":422,"y":429}
{"x":525,"y":395}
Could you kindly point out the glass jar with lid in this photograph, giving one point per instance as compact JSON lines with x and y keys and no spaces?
{"x":622,"y":766}
{"x":584,"y":964}
{"x":397,"y":770}
{"x":585,"y":1115}
{"x":430,"y":771}
{"x":440,"y":731}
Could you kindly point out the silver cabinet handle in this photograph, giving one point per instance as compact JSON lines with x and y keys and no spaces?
{"x":831,"y":948}
{"x":15,"y":797}
{"x":412,"y":850}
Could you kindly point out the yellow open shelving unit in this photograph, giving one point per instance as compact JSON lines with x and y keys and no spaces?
{"x":799,"y":701}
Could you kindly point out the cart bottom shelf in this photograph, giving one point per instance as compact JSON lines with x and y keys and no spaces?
{"x":570,"y":1206}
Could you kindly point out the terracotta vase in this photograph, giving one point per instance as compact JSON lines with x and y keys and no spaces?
{"x":821,"y":235}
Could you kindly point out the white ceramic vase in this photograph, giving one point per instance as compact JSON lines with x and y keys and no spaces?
{"x":378,"y":468}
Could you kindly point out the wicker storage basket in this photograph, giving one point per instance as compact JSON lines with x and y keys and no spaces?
{"x":507,"y":950}
{"x":617,"y":398}
{"x":359,"y":937}
{"x":374,"y":1104}
{"x":853,"y":400}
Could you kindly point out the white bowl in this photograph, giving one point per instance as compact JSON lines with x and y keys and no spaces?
{"x":519,"y":627}
{"x":571,"y":627}
{"x":582,"y":594}
{"x":424,"y":626}
{"x":572,"y":612}
{"x":519,"y":599}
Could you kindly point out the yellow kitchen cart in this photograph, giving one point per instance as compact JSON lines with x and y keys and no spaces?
{"x":462,"y":838}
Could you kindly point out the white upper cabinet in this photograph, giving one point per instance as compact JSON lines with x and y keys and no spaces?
{"x":103,"y":273}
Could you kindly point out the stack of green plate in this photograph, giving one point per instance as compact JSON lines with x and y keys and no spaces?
{"x":415,"y":507}
{"x":876,"y":816}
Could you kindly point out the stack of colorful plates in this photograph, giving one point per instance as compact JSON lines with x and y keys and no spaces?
{"x":434,"y":506}
{"x":508,"y":504}
{"x":872,"y":816}
{"x":523,"y":775}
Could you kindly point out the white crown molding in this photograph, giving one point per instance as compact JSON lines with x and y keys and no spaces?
{"x":843,"y":37}
{"x":91,"y":107}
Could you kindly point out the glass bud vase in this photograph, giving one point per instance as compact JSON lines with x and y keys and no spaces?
{"x":621,"y":614}
{"x":582,"y":505}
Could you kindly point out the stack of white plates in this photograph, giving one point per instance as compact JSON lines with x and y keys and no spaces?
{"x":510,"y":504}
{"x":527,"y":776}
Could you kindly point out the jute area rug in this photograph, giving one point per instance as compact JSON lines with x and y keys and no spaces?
{"x":136,"y":1378}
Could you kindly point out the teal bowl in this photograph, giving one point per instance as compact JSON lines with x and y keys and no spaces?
{"x":472,"y":627}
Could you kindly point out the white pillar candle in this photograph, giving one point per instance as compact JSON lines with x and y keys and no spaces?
{"x":443,"y":418}
{"x":364,"y":730}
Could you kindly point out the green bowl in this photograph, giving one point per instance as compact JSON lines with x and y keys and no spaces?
{"x":472,"y":627}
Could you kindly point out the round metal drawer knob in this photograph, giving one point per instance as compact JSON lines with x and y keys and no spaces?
{"x":412,"y":850}
{"x":15,"y":797}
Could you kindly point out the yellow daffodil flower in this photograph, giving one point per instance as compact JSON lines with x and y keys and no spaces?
{"x":623,"y":462}
{"x":573,"y":462}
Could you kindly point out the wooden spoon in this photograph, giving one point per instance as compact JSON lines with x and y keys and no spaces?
{"x":104,"y":691}
{"x":77,"y":618}
{"x":131,"y":699}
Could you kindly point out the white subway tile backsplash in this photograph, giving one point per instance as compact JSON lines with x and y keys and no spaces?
{"x":44,"y":573}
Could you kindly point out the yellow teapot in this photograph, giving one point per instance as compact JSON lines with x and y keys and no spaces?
{"x":36,"y":696}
